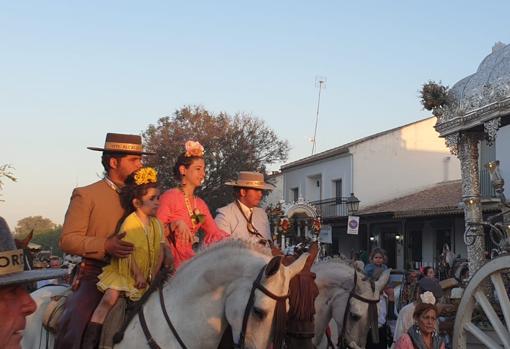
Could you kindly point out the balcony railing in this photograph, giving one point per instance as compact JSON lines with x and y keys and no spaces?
{"x":334,"y":207}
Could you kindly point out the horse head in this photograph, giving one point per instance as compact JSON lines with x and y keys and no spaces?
{"x":361,"y":311}
{"x":253,"y":309}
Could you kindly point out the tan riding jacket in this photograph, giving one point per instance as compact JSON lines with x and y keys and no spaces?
{"x":92,"y":216}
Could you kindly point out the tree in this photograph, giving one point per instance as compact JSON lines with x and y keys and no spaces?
{"x":38,"y":224}
{"x":5,"y":171}
{"x":232,"y":143}
{"x":49,"y":240}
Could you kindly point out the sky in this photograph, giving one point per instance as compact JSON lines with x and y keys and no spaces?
{"x":71,"y":71}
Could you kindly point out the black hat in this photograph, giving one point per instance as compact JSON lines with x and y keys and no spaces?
{"x":12,"y":262}
{"x":121,"y":143}
{"x":432,"y":285}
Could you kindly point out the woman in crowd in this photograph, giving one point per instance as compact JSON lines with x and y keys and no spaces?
{"x":422,"y":335}
{"x":429,"y":272}
{"x":182,"y":212}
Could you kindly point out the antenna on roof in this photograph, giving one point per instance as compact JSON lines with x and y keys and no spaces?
{"x":320,"y":82}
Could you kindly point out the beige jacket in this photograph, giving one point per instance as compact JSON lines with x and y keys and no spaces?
{"x":92,"y":217}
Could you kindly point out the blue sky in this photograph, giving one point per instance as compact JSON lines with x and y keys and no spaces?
{"x":71,"y":71}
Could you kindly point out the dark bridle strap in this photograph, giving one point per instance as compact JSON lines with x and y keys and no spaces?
{"x":280,"y":300}
{"x":167,"y":318}
{"x":150,"y":341}
{"x":372,"y":306}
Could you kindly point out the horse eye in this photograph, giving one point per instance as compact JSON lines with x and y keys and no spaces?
{"x":259,"y":313}
{"x":355,"y":317}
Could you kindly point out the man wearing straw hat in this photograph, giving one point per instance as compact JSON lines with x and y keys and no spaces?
{"x":15,"y":301}
{"x":89,"y":231}
{"x":243,"y":219}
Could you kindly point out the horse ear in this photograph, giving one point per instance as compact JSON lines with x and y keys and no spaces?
{"x":273,"y":265}
{"x":383,"y":280}
{"x":297,"y":265}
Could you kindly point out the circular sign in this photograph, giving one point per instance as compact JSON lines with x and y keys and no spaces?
{"x":353,"y":223}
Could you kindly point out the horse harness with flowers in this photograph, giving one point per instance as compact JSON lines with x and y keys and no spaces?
{"x":279,"y":317}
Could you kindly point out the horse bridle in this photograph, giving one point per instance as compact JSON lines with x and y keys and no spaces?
{"x":372,"y":307}
{"x":280,"y":304}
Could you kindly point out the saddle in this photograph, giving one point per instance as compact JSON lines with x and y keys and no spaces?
{"x":113,"y":323}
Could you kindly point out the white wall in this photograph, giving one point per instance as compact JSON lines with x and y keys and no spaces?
{"x":328,"y":170}
{"x":276,"y":195}
{"x":503,"y":155}
{"x":401,"y":162}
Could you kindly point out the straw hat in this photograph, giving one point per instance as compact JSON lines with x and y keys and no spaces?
{"x":12,"y":262}
{"x":254,"y":180}
{"x":121,"y":143}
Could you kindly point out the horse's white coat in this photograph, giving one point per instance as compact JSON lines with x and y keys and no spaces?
{"x":206,"y":293}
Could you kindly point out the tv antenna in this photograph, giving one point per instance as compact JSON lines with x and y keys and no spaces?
{"x":320,"y":82}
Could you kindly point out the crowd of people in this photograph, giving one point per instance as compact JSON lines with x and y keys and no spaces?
{"x":415,"y":326}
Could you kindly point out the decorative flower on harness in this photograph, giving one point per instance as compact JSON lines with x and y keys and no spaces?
{"x":197,"y":217}
{"x":194,"y":149}
{"x":146,"y":175}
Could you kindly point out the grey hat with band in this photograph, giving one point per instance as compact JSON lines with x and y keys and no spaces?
{"x":12,"y":263}
{"x":254,"y":180}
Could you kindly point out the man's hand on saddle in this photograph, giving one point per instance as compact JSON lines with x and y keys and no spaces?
{"x":182,"y":232}
{"x":116,"y":247}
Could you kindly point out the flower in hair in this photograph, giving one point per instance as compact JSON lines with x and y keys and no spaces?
{"x":428,"y":297}
{"x":194,"y":149}
{"x":146,"y":175}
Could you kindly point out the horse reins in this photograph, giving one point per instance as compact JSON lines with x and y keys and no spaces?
{"x":372,"y":308}
{"x":280,"y":304}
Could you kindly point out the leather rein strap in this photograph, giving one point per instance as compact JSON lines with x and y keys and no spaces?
{"x":150,"y":341}
{"x":257,"y":286}
{"x":372,"y":305}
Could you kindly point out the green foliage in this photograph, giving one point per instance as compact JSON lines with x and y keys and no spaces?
{"x":38,"y":224}
{"x":232,"y":143}
{"x":49,"y":240}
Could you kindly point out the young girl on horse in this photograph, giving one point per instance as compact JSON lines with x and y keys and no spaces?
{"x":131,"y":276}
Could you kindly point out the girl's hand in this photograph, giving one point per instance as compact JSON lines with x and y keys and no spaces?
{"x":182,"y":232}
{"x":140,"y":282}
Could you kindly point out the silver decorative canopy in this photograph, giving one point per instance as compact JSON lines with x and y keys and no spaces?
{"x":481,"y":101}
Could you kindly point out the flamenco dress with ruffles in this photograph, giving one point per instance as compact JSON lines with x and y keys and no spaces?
{"x":173,"y":208}
{"x":147,"y":241}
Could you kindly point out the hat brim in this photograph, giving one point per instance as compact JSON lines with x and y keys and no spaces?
{"x":266,"y":186}
{"x":121,"y":151}
{"x":31,"y":275}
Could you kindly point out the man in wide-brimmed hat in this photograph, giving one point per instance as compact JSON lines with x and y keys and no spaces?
{"x":89,"y":231}
{"x":243,"y":218}
{"x":15,"y":301}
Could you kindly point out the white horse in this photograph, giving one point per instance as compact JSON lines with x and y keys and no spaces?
{"x":336,"y":281}
{"x":207,"y":293}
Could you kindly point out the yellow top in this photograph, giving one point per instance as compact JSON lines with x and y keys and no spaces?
{"x":147,"y":241}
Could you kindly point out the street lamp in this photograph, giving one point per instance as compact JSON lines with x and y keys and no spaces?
{"x":352,"y":204}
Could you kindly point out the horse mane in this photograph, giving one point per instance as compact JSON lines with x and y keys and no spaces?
{"x":236,"y":246}
{"x":329,"y":270}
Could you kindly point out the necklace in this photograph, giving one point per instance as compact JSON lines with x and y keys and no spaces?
{"x":145,"y":227}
